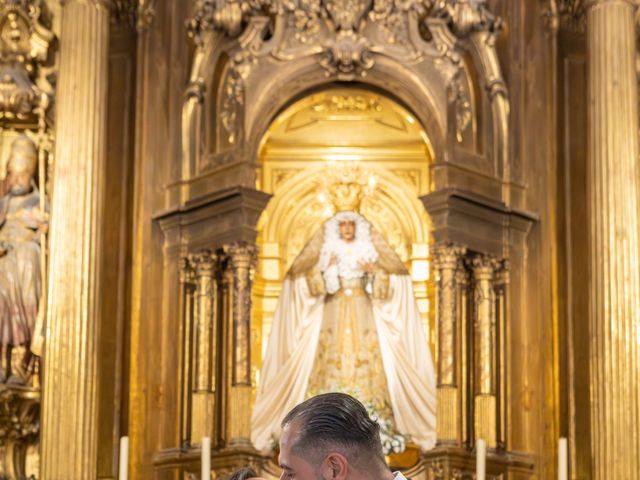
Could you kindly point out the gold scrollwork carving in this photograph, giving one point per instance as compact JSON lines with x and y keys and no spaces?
{"x":467,"y":16}
{"x":436,"y":470}
{"x":348,"y":103}
{"x":19,"y":427}
{"x":338,"y":25}
{"x":25,"y":93}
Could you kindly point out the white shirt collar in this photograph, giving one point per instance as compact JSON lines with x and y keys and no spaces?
{"x":398,"y":476}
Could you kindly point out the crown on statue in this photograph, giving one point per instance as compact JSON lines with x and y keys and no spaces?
{"x":346,"y":197}
{"x":346,"y":186}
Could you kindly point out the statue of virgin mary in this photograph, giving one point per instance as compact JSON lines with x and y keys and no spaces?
{"x":347,"y":320}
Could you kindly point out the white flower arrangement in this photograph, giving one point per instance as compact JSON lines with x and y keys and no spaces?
{"x":392,"y":440}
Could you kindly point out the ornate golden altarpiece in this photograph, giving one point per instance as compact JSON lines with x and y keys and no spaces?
{"x":26,"y":95}
{"x":251,"y":61}
{"x":177,"y":130}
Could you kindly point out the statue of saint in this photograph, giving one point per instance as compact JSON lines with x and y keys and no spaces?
{"x":22,"y":222}
{"x":347,"y":320}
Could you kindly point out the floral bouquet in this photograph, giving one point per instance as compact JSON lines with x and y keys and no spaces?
{"x":392,"y":440}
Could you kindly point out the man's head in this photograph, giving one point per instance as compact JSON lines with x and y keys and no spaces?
{"x":22,"y":165}
{"x":347,"y":230}
{"x":331,"y":437}
{"x":246,"y":473}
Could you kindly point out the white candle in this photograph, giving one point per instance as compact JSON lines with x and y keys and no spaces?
{"x":205,"y":460}
{"x":123,"y":472}
{"x":481,"y":459}
{"x":563,"y":463}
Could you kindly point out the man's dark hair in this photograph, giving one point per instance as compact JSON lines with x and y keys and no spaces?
{"x":336,"y":422}
{"x":243,"y":474}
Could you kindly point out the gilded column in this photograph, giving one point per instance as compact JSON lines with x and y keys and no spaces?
{"x":612,"y":186}
{"x":204,"y":337}
{"x":242,"y":258}
{"x":69,"y":423}
{"x":447,"y":261}
{"x":485,"y":422}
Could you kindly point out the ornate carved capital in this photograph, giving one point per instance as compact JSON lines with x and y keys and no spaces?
{"x":242,"y":257}
{"x":448,"y":255}
{"x":136,"y":14}
{"x":484,"y":267}
{"x":566,"y":14}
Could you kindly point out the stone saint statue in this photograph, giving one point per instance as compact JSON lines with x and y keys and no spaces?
{"x":22,"y":223}
{"x":347,"y":320}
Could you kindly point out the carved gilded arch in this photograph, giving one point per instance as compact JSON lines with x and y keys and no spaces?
{"x":277,"y":51}
{"x":389,"y":78}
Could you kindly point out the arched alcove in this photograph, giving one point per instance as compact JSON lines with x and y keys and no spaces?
{"x":323,"y":132}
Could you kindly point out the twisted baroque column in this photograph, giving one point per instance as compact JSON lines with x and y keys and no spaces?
{"x":614,"y":298}
{"x":69,"y":423}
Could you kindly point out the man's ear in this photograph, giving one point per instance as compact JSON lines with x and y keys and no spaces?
{"x":335,"y":467}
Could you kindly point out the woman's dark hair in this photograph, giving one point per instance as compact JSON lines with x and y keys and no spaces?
{"x":243,"y":474}
{"x":336,"y":422}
